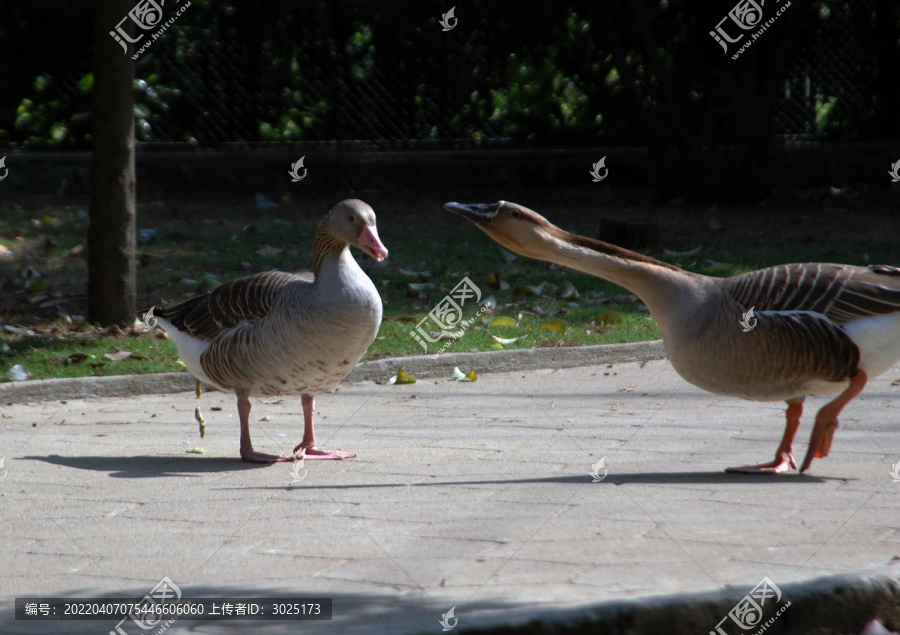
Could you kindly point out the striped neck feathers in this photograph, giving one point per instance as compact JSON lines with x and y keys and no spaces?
{"x":325,"y":244}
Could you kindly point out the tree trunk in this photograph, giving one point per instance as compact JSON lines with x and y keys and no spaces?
{"x":111,"y":233}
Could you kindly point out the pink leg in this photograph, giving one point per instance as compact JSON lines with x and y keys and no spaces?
{"x":827,"y":420}
{"x":307,"y":448}
{"x":247,"y":451}
{"x":784,"y":455}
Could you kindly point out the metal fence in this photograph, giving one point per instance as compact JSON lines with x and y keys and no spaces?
{"x":388,"y":76}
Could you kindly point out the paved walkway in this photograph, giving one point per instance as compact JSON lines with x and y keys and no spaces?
{"x":468,"y":495}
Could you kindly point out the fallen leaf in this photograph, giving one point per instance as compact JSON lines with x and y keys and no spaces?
{"x":896,"y":382}
{"x":402,"y":377}
{"x":568,"y":290}
{"x":506,"y":340}
{"x":502,"y":320}
{"x":458,"y":375}
{"x":609,"y":317}
{"x":524,"y":289}
{"x":266,"y":418}
{"x":200,"y":420}
{"x":75,"y":358}
{"x":554,"y":325}
{"x":628,"y":388}
{"x":407,"y":318}
{"x":196,"y":451}
{"x":418,"y":287}
{"x":508,"y":256}
{"x":267,"y":250}
{"x":120,"y":355}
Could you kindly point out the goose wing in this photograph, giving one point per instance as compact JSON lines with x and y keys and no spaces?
{"x":233,"y":303}
{"x":841,"y":293}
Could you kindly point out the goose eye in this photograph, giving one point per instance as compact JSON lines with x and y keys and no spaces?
{"x":515,"y":213}
{"x":352,"y":218}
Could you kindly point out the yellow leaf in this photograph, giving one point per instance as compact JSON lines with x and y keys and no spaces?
{"x":196,"y":451}
{"x":199,"y":417}
{"x":502,"y":320}
{"x":497,"y":346}
{"x":402,"y":377}
{"x":554,"y":325}
{"x":407,"y":318}
{"x":459,"y":376}
{"x":609,"y":317}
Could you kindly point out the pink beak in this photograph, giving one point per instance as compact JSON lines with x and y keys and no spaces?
{"x":370,"y":243}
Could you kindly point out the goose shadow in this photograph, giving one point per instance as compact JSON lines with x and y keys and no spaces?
{"x":143,"y":466}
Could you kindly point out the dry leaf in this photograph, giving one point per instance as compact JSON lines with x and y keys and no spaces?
{"x":402,"y":377}
{"x":554,"y":325}
{"x":120,"y":355}
{"x":524,"y":289}
{"x":196,"y":451}
{"x":628,"y":388}
{"x":200,"y":420}
{"x":458,"y":375}
{"x":506,"y":340}
{"x":609,"y":317}
{"x":896,"y":382}
{"x":502,"y":320}
{"x":568,"y":291}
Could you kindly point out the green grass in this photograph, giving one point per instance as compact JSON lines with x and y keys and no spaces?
{"x":198,"y":245}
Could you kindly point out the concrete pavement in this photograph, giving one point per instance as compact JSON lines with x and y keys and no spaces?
{"x":476,"y":496}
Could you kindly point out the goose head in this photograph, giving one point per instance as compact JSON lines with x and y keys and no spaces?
{"x":517,"y":228}
{"x":353,"y":222}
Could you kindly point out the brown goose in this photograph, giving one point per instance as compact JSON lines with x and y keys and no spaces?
{"x":818,"y":328}
{"x":280,"y":333}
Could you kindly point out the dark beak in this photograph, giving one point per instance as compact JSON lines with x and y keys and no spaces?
{"x":479,"y":213}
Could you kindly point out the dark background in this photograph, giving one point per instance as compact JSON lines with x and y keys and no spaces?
{"x":365,"y":75}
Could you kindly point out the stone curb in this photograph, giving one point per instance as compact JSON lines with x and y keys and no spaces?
{"x":835,"y":604}
{"x":380,"y":370}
